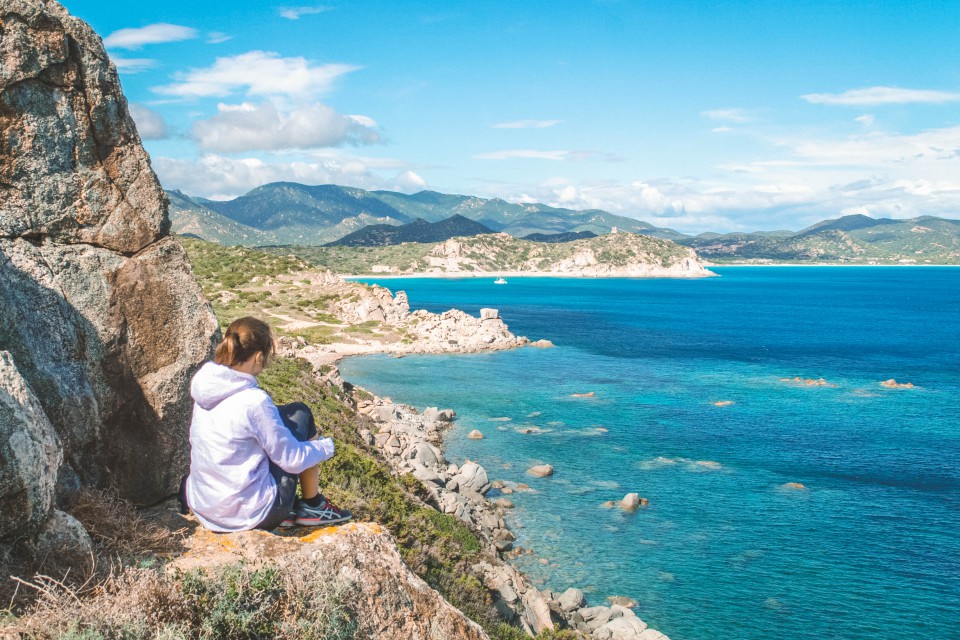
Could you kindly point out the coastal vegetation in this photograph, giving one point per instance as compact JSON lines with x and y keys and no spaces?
{"x":494,"y":253}
{"x":127,"y":589}
{"x":853,"y":239}
{"x":302,"y":216}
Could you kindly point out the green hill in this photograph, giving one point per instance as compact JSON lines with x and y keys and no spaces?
{"x":620,"y":254}
{"x":855,"y":239}
{"x":291,"y":213}
{"x":287,"y":213}
{"x":417,"y":231}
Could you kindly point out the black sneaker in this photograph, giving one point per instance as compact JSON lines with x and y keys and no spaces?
{"x":290,"y":520}
{"x":324,"y":514}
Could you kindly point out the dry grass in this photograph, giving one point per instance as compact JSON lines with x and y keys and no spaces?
{"x":237,"y":601}
{"x":117,"y":527}
{"x":122,"y":537}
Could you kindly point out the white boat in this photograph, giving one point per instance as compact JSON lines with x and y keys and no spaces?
{"x":500,"y":280}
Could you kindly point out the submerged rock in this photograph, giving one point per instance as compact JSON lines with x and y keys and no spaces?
{"x":893,"y":384}
{"x":475,"y":435}
{"x":540,"y":471}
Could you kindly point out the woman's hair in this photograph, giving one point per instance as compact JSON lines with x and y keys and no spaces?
{"x":242,"y":340}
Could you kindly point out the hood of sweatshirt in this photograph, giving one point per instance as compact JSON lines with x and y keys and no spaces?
{"x":214,"y":383}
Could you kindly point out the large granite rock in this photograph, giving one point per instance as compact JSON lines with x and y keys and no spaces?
{"x":30,"y":454}
{"x":390,"y":602}
{"x":99,"y":313}
{"x":71,"y":163}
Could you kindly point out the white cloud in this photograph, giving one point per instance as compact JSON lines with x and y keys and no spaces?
{"x":810,"y":179}
{"x":874,"y":96}
{"x":928,"y":149}
{"x":263,"y":127}
{"x":257,"y":73}
{"x":216,"y":37}
{"x":294,"y":13}
{"x":866,"y":120}
{"x":527,"y":124}
{"x":726,"y":115}
{"x":219,"y":177}
{"x":525,"y":154}
{"x":132,"y":65}
{"x":150,"y":34}
{"x":410,"y":182}
{"x":555,"y":155}
{"x":150,"y":124}
{"x":720,"y":130}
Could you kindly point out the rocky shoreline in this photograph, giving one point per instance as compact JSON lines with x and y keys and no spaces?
{"x":411,"y":442}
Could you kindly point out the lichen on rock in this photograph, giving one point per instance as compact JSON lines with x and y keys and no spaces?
{"x":100,"y":315}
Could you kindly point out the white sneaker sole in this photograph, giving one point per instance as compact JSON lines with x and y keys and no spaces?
{"x":313,"y":522}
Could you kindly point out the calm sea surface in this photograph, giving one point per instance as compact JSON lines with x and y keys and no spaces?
{"x":869,"y":548}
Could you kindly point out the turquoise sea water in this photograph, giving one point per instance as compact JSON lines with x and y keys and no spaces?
{"x":871,"y":547}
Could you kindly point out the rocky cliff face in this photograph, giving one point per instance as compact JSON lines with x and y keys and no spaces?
{"x":391,"y":602}
{"x":101,"y":321}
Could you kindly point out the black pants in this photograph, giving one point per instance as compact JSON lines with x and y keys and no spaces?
{"x":298,"y":418}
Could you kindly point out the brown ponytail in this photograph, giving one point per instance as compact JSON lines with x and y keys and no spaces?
{"x":243,"y":339}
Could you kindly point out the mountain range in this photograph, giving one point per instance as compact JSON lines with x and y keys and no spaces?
{"x":380,"y":235}
{"x":287,"y":213}
{"x":291,"y":213}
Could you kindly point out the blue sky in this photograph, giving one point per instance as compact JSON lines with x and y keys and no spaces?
{"x":700,"y":116}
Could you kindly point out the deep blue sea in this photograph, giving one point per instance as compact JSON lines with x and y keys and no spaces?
{"x":870,"y":547}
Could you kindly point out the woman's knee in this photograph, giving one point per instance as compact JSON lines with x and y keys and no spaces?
{"x":299,"y":419}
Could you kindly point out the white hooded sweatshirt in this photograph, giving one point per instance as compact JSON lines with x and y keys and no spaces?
{"x":236,"y":430}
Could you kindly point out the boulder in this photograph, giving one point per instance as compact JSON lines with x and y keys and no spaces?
{"x":432,"y":413}
{"x":424,"y":474}
{"x":30,"y":455}
{"x":630,"y":502}
{"x":475,"y":435}
{"x":100,"y":310}
{"x":540,"y":471}
{"x":592,"y":613}
{"x":71,"y":166}
{"x":622,"y":628}
{"x":489,"y":314}
{"x":472,"y":477}
{"x":571,"y":600}
{"x":622,"y":601}
{"x":63,"y":540}
{"x":428,"y":455}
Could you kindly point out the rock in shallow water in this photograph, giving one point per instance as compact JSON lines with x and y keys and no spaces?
{"x":540,"y":471}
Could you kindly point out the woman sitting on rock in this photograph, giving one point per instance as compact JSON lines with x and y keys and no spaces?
{"x":247,"y":455}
